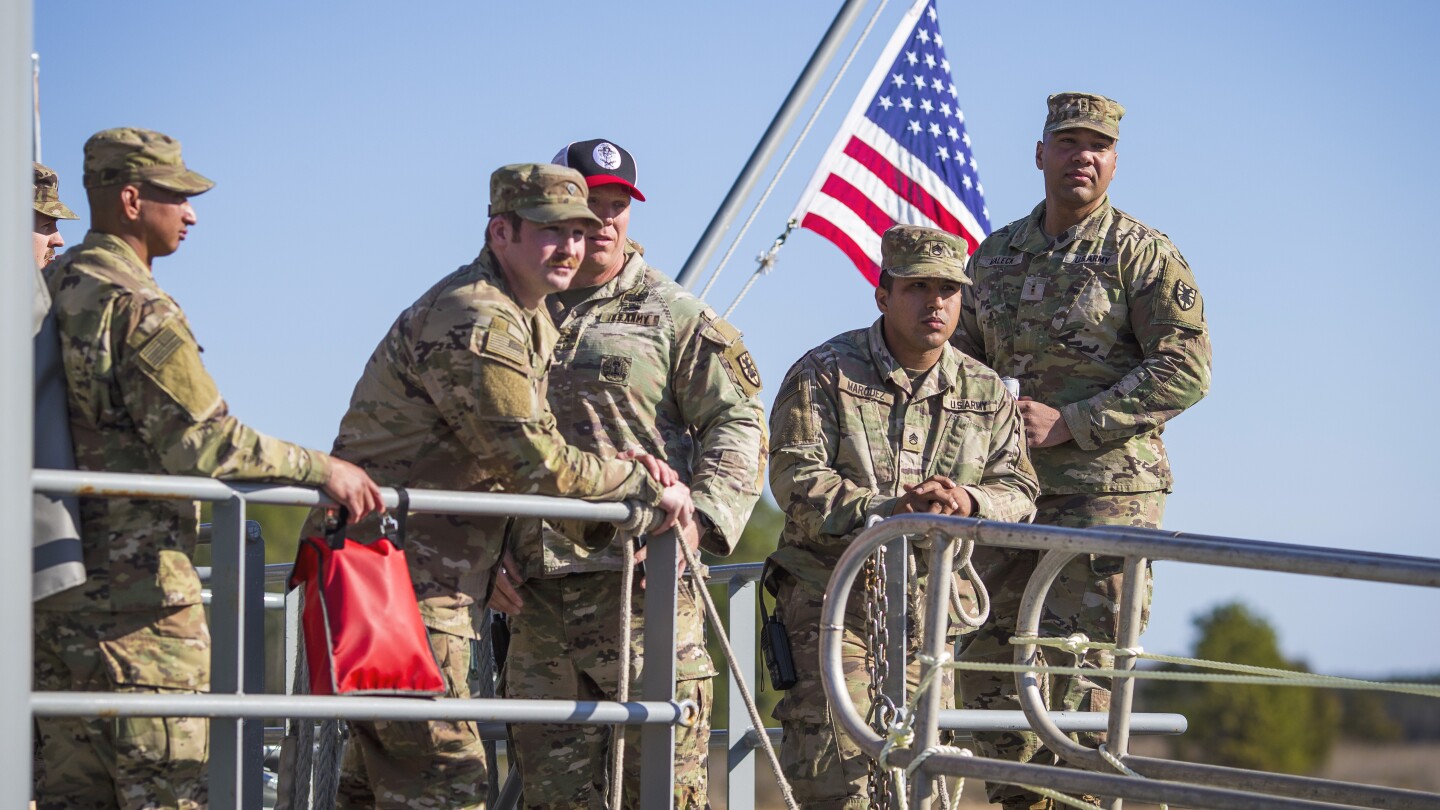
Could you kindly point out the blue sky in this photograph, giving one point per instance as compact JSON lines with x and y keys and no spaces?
{"x":1281,"y":145}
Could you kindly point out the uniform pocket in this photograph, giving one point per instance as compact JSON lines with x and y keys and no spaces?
{"x":1093,"y":321}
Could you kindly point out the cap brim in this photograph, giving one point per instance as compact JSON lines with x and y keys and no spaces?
{"x":612,"y":180}
{"x":1109,"y":133}
{"x":56,"y":209}
{"x":186,"y":182}
{"x":929,"y":270}
{"x":558,"y":212}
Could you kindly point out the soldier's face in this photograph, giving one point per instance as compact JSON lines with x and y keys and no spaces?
{"x":539,"y":258}
{"x":1078,"y":165}
{"x":920,"y":313}
{"x":605,"y":245}
{"x":165,"y":218}
{"x":46,"y":239}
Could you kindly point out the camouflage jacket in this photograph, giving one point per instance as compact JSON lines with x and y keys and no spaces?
{"x":1104,"y":323}
{"x":642,"y":364}
{"x":454,"y":398}
{"x":141,"y":401}
{"x":849,"y":429}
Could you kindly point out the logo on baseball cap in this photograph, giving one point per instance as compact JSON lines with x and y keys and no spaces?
{"x":602,"y":162}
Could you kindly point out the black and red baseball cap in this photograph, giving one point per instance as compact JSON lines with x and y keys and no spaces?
{"x":602,"y":163}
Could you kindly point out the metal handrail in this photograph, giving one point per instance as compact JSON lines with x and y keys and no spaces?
{"x":1136,"y":546}
{"x":238,"y":576}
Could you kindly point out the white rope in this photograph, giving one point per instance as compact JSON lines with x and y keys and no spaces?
{"x":767,"y":263}
{"x":693,"y":562}
{"x":795,"y":147}
{"x":617,"y":744}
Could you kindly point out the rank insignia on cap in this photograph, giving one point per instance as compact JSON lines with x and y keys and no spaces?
{"x":1185,"y":295}
{"x":571,"y":188}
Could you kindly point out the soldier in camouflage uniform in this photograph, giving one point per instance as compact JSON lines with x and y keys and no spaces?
{"x":454,"y":398}
{"x":59,"y":559}
{"x":876,"y":422}
{"x":1098,"y":316}
{"x":140,"y":401}
{"x":641,"y":365}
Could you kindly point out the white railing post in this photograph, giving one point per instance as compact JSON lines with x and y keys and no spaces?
{"x":657,"y":768}
{"x":17,"y":274}
{"x":740,"y":754}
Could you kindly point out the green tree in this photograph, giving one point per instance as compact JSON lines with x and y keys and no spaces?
{"x":1270,"y":728}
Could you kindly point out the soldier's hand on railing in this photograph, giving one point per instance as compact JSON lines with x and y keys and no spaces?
{"x":505,"y":596}
{"x":352,"y":488}
{"x":936,"y":495}
{"x":679,"y":509}
{"x":663,"y":473}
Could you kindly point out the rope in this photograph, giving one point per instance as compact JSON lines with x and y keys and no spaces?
{"x":711,"y":613}
{"x":766,"y":264}
{"x":1263,"y":676}
{"x":785,"y":164}
{"x":327,"y":764}
{"x":617,"y":748}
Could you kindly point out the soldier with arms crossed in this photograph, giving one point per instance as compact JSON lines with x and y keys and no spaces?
{"x":1098,"y":316}
{"x":878,"y":422}
{"x":640,"y":365}
{"x":454,"y":398}
{"x":140,"y":401}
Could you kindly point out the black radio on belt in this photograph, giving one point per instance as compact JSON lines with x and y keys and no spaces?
{"x":775,"y":645}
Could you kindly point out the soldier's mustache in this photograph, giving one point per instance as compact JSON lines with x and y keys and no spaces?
{"x":568,"y":264}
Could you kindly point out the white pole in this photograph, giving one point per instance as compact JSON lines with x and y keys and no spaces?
{"x":35,"y":94}
{"x":17,"y":296}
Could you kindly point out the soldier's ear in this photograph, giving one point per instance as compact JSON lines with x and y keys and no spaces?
{"x":882,"y":299}
{"x":1039,"y":148}
{"x":129,"y":196}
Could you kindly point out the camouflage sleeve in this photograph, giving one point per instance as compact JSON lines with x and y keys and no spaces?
{"x":805,"y":434}
{"x":968,"y":336}
{"x":1008,"y":487}
{"x":478,"y":374}
{"x":1167,"y":316}
{"x":179,"y":412}
{"x":717,"y":387}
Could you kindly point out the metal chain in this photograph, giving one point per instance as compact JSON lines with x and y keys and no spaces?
{"x":877,"y":665}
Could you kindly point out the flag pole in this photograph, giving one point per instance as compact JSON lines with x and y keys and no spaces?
{"x":35,"y":96}
{"x":770,"y":141}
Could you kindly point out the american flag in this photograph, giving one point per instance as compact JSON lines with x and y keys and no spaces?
{"x":902,"y":155}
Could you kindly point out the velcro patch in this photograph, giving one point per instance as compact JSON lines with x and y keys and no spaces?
{"x":502,"y":344}
{"x":981,"y":405}
{"x":633,"y":318}
{"x":859,"y":389}
{"x":614,"y":368}
{"x":1177,"y":301}
{"x":1090,"y":258}
{"x":162,"y":347}
{"x":719,"y":330}
{"x":1000,"y":261}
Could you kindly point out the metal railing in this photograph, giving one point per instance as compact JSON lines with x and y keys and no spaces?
{"x":238,"y":573}
{"x":1155,"y":780}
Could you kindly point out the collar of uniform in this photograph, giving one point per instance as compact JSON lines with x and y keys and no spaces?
{"x":111,"y":243}
{"x":888,"y":368}
{"x":1031,"y":238}
{"x":630,"y":276}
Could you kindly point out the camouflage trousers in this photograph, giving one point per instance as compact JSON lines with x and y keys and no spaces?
{"x":565,"y":645}
{"x":824,"y":766}
{"x":135,"y":763}
{"x":418,"y":765}
{"x":1084,"y":599}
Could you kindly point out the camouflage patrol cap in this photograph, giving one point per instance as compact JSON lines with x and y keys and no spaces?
{"x":47,"y":194}
{"x":540,"y":192}
{"x":129,"y":155}
{"x":1084,"y":110}
{"x":913,"y":251}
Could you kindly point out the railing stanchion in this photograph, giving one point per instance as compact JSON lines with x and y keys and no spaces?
{"x":1127,"y":635}
{"x":740,"y":758}
{"x":657,"y":771}
{"x":230,"y":789}
{"x":937,"y":623}
{"x":897,"y":621}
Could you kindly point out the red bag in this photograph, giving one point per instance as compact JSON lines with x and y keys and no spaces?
{"x":363,"y":633}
